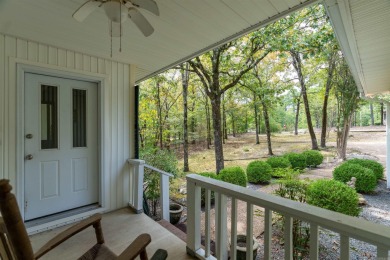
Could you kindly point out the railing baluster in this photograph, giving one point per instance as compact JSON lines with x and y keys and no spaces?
{"x":164,"y":196}
{"x":288,"y":238}
{"x":313,"y":241}
{"x":267,"y":233}
{"x":233,"y":232}
{"x":221,"y":225}
{"x":382,"y":252}
{"x":249,"y":231}
{"x":344,"y":246}
{"x":193,"y":218}
{"x":207,"y":221}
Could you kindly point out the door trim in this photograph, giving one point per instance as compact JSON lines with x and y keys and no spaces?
{"x":23,"y":67}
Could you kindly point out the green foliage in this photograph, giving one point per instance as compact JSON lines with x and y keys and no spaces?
{"x":283,"y":172}
{"x":258,"y":172}
{"x":203,"y":193}
{"x":376,"y":167}
{"x":313,"y":158}
{"x":234,"y":175}
{"x":333,"y":195}
{"x":365,"y":178}
{"x":279,"y":162}
{"x":297,"y":160}
{"x":273,"y":125}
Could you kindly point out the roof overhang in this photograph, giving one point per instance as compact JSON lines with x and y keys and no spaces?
{"x":184,"y":29}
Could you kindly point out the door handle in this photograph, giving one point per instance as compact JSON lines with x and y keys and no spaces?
{"x":29,"y":157}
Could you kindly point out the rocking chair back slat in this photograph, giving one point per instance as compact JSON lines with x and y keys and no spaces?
{"x":5,"y":247}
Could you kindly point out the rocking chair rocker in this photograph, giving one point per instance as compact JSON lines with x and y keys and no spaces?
{"x":15,"y":244}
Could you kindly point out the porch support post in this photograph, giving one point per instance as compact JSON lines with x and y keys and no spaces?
{"x":388,"y":144}
{"x":164,"y":196}
{"x":138,"y":184}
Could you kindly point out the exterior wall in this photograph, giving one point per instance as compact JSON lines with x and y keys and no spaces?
{"x":117,"y":100}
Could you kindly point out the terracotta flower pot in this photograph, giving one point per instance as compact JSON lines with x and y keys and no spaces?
{"x":175,"y":211}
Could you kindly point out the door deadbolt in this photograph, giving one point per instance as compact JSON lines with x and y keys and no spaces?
{"x":29,"y":136}
{"x":29,"y":157}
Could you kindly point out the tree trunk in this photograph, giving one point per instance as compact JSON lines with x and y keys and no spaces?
{"x":256,"y":120}
{"x":267,"y":127}
{"x":372,"y":114}
{"x":224,"y":123}
{"x":218,"y":147}
{"x":342,"y":138}
{"x":297,"y":116}
{"x":298,"y":67}
{"x":184,"y":76}
{"x":233,"y":125}
{"x":193,"y":129}
{"x":208,"y":124}
{"x":159,"y":114}
{"x":382,"y":113}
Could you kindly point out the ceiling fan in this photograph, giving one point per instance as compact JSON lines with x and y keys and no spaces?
{"x":118,"y":11}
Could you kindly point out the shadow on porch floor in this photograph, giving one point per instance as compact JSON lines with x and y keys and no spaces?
{"x":120,"y":228}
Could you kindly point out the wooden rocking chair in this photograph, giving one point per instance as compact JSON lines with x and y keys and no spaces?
{"x":15,"y":243}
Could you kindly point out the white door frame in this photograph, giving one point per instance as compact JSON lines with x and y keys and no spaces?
{"x":23,"y":67}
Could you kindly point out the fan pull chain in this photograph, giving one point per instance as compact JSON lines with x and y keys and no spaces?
{"x":111,"y":37}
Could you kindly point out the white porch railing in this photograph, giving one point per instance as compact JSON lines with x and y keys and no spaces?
{"x":348,"y":227}
{"x":137,"y":184}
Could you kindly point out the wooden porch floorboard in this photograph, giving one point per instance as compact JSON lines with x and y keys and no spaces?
{"x":120,"y":228}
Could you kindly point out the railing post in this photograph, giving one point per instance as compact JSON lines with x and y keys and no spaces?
{"x":164,"y":196}
{"x":138,"y":184}
{"x":221,"y":226}
{"x":193,"y":217}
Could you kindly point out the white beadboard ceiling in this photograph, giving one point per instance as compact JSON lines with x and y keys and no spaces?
{"x":363,"y":30}
{"x":187,"y":28}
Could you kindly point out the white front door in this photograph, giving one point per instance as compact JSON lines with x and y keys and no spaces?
{"x":60,"y":144}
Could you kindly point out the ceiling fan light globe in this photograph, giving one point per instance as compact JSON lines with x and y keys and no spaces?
{"x":115,"y":12}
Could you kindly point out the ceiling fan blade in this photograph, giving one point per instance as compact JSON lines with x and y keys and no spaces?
{"x":86,"y":9}
{"x":148,"y":5}
{"x":140,"y":21}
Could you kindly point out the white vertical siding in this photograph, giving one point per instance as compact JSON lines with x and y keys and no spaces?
{"x":117,"y":143}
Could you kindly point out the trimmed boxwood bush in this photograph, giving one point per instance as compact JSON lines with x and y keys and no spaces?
{"x":234,"y":175}
{"x":333,"y":195}
{"x":258,"y":172}
{"x":203,"y":193}
{"x":365,"y":178}
{"x":278,"y":162}
{"x":376,"y":167}
{"x":283,"y":172}
{"x":297,"y":160}
{"x":313,"y":158}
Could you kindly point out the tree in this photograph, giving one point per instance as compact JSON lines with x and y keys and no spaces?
{"x":184,"y":80}
{"x":347,"y":97}
{"x":220,"y":70}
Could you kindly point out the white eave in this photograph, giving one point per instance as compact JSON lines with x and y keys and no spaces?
{"x":363,"y":30}
{"x":184,"y":29}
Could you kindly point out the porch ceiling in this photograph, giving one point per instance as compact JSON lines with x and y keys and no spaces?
{"x":363,"y":30}
{"x":183,"y":30}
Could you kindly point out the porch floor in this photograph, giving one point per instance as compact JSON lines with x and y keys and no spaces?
{"x":120,"y":228}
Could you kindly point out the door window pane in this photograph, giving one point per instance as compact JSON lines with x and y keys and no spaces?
{"x":49,"y":123}
{"x":79,"y":117}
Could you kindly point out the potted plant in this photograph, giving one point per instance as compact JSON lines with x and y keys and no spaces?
{"x":241,"y":247}
{"x":175,"y":211}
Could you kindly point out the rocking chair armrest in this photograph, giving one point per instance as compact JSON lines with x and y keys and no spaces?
{"x":94,"y":221}
{"x":136,"y":248}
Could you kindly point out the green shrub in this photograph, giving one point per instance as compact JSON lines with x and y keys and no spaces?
{"x":278,"y":162}
{"x":258,"y":172}
{"x":313,"y":158}
{"x":203,"y":193}
{"x":234,"y":175}
{"x":283,"y":172}
{"x":365,"y":178}
{"x":376,"y":167}
{"x":297,"y":160}
{"x":293,"y":188}
{"x":333,"y":195}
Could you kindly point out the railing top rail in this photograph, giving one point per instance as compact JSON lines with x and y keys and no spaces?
{"x":343,"y":224}
{"x":158,"y":170}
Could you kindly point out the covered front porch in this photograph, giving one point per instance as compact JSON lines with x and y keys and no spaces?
{"x":120,"y":228}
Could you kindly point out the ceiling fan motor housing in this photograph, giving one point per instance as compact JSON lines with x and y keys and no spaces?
{"x":116,"y":11}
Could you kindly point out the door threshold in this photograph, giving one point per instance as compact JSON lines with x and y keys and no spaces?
{"x":61,"y":215}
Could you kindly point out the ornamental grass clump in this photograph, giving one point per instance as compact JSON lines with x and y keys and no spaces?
{"x":234,"y":175}
{"x":278,"y":162}
{"x":333,"y":195}
{"x":313,"y":158}
{"x":258,"y":172}
{"x":375,"y":166}
{"x":203,"y":193}
{"x":365,"y":178}
{"x":297,"y":160}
